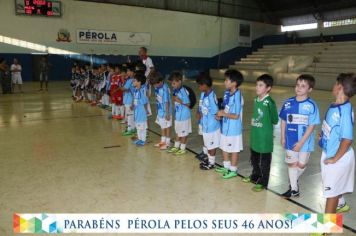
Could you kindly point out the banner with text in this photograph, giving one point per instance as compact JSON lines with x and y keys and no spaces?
{"x":177,"y":223}
{"x":113,"y":37}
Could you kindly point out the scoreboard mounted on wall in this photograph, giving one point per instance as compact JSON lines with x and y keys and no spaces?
{"x":38,"y":8}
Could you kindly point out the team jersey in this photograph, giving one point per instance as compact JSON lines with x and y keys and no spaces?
{"x":128,"y":98}
{"x":299,"y":115}
{"x":233,"y":104}
{"x":139,"y":102}
{"x":337,"y":125}
{"x":208,"y":106}
{"x":264,"y":116}
{"x":163,"y":96}
{"x":182,"y":111}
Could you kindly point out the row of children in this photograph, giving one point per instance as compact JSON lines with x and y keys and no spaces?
{"x":221,"y":127}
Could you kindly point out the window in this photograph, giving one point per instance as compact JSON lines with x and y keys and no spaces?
{"x":339,"y":22}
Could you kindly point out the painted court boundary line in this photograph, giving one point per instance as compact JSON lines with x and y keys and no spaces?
{"x":290,"y":200}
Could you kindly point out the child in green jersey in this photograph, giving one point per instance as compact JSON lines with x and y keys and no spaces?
{"x":264,"y":116}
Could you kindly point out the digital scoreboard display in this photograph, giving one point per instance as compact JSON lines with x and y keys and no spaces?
{"x":38,"y":7}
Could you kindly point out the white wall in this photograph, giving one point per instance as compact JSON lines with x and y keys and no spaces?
{"x":173,"y":33}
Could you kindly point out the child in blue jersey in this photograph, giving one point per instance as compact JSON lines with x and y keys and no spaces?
{"x":299,"y":116}
{"x":338,"y":158}
{"x":140,"y":108}
{"x":208,"y":108}
{"x":128,"y":90}
{"x":182,"y":122}
{"x":231,"y":129}
{"x":164,"y":110}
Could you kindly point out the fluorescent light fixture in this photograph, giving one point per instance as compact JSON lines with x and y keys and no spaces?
{"x":42,"y":50}
{"x":299,"y":27}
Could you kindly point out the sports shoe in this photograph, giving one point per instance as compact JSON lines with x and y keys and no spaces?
{"x":230,"y":174}
{"x":159,"y":144}
{"x":135,"y":141}
{"x":127,"y":133}
{"x":258,"y":188}
{"x":290,"y":193}
{"x":140,"y":143}
{"x":222,"y":170}
{"x":342,"y":209}
{"x":173,"y":150}
{"x":246,"y":180}
{"x":201,"y":156}
{"x":207,"y":166}
{"x":180,"y":152}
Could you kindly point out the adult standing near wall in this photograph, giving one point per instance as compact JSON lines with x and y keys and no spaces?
{"x":16,"y":77}
{"x":147,"y":61}
{"x":5,"y":79}
{"x":44,"y":71}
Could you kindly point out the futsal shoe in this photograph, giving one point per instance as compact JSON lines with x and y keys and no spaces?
{"x":342,"y":209}
{"x":173,"y":150}
{"x":222,"y":170}
{"x":290,"y":193}
{"x":180,"y":152}
{"x":140,"y":143}
{"x":230,"y":174}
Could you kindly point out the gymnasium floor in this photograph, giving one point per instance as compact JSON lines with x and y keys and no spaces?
{"x":63,"y":157}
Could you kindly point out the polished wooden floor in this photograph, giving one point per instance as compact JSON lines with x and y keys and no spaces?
{"x":57,"y":156}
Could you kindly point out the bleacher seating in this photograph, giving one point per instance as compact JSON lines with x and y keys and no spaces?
{"x":330,"y":59}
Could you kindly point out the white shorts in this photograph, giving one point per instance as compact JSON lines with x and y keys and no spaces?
{"x":141,"y":125}
{"x":149,"y":110}
{"x":163,"y":123}
{"x":44,"y":77}
{"x":200,"y":129}
{"x":183,"y":128}
{"x":212,"y":140}
{"x":128,"y":110}
{"x":338,"y":178}
{"x":231,"y":144}
{"x":301,"y":157}
{"x":16,"y":79}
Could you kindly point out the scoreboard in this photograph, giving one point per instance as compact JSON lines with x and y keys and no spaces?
{"x":38,"y":7}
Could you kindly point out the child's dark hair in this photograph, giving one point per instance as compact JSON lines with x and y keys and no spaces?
{"x":140,"y":66}
{"x":144,"y":49}
{"x":308,"y":78}
{"x":267,"y":79}
{"x":234,"y":76}
{"x":204,"y":78}
{"x":175,"y":76}
{"x":140,"y":78}
{"x":123,"y":69}
{"x":156,"y":78}
{"x":130,"y":67}
{"x":348,"y":82}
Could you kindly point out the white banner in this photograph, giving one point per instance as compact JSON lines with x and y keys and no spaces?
{"x":178,"y":223}
{"x":113,"y":37}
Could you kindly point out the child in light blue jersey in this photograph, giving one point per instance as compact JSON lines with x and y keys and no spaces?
{"x":299,"y":117}
{"x":128,"y":90}
{"x":182,"y":122}
{"x":164,"y":110}
{"x":231,"y":130}
{"x":338,"y":158}
{"x":140,"y":108}
{"x":208,"y":108}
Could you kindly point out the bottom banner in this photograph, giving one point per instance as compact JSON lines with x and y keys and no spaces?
{"x":177,"y":223}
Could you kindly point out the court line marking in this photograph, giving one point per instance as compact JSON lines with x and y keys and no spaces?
{"x":280,"y":195}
